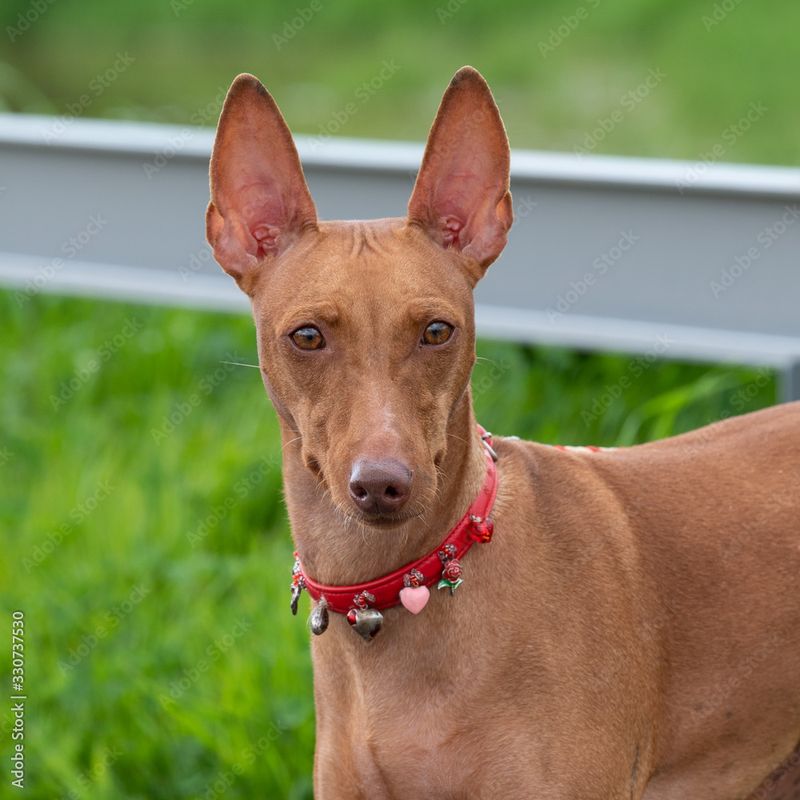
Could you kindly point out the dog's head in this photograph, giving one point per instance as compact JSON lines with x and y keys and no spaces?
{"x":365,"y":329}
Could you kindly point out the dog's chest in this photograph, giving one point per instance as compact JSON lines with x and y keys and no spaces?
{"x":408,"y":763}
{"x":413,"y":747}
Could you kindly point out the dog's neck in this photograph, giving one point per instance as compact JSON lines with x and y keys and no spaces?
{"x":340,"y":550}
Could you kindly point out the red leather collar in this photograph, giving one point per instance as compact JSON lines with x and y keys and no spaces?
{"x":384,"y":592}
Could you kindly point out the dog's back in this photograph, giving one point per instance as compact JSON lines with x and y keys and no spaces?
{"x":714,"y":520}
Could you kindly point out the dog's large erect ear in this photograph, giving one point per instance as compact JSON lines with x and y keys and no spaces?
{"x":260,"y":202}
{"x":462,"y":196}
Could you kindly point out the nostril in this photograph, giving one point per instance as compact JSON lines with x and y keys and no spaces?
{"x":380,"y":486}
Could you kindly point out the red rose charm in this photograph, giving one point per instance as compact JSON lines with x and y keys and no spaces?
{"x":452,"y":570}
{"x":451,"y":575}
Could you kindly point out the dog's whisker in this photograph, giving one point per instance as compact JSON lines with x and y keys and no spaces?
{"x":241,"y":364}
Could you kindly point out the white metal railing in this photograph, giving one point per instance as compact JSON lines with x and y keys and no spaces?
{"x":682,"y":259}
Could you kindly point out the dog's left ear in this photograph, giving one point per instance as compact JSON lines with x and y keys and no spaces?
{"x":461,"y":197}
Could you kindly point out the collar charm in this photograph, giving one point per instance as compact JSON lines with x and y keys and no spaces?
{"x":409,"y":586}
{"x":298,"y":583}
{"x":414,"y":595}
{"x":318,"y":621}
{"x":366,"y":622}
{"x":451,"y":569}
{"x":482,"y":529}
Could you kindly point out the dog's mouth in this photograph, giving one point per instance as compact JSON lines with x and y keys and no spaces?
{"x":383,"y":521}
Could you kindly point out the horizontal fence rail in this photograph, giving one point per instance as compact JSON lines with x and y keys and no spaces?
{"x":673,"y":259}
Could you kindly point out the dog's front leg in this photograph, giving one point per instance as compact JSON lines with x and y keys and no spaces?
{"x":337,"y":776}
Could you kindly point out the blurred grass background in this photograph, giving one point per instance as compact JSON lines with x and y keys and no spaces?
{"x":186,"y":51}
{"x":143,"y":529}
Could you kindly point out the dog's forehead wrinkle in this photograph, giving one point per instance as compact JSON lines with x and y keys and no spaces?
{"x":376,"y":291}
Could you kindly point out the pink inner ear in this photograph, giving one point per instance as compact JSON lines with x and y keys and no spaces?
{"x":266,"y":237}
{"x":265,"y":215}
{"x":457,"y":196}
{"x":461,"y":195}
{"x":451,"y":231}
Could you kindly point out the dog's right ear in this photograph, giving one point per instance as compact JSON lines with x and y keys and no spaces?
{"x":260,"y":202}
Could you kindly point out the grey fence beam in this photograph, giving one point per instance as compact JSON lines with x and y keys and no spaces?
{"x":675,"y":259}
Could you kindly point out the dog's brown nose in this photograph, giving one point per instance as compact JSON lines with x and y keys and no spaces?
{"x":380,"y":487}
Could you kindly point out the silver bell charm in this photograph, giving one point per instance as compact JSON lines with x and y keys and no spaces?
{"x":366,"y":622}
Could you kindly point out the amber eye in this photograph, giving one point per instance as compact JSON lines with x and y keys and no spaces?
{"x":308,"y":338}
{"x":437,"y":333}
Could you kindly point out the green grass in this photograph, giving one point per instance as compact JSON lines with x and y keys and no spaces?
{"x":142,"y":525}
{"x":552,"y":97}
{"x":146,"y":541}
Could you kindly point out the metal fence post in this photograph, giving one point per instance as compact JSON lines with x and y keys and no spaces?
{"x":789,"y":382}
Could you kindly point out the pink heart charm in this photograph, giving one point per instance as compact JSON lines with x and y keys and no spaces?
{"x":415,"y":598}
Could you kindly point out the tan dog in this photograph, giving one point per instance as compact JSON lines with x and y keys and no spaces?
{"x":633,"y":628}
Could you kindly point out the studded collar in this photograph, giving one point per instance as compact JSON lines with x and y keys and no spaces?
{"x":408,"y":586}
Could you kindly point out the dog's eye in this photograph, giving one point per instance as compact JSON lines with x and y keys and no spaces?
{"x":308,"y":338}
{"x":437,"y":333}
